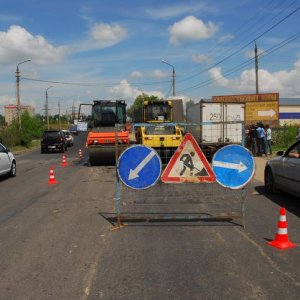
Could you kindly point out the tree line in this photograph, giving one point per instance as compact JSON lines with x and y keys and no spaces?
{"x":32,"y":128}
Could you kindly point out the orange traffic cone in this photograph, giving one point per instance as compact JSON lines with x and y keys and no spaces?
{"x":64,"y":161}
{"x":52,"y":179}
{"x":281,"y":240}
{"x":80,"y":154}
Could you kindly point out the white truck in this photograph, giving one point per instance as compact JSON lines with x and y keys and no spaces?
{"x":215,"y":124}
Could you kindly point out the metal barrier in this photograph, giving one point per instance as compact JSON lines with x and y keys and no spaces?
{"x":185,"y":203}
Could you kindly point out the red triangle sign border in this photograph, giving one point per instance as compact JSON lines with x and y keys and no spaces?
{"x":165,"y":177}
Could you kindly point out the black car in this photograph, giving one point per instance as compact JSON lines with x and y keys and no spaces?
{"x":53,"y":140}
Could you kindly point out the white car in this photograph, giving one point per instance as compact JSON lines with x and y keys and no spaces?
{"x":8,"y":163}
{"x":282,"y":173}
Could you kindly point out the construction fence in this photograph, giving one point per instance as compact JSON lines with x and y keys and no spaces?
{"x":185,"y":203}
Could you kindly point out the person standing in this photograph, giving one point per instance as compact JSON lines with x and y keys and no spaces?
{"x":268,"y":140}
{"x":253,"y":136}
{"x":261,"y":139}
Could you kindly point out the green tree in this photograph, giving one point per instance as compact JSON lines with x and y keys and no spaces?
{"x":189,"y":103}
{"x":10,"y":136}
{"x":138,"y":103}
{"x":2,"y":121}
{"x":31,"y":129}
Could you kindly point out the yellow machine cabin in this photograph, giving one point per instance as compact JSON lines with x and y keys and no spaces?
{"x":157,"y":130}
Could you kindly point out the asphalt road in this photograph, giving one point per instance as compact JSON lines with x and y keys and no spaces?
{"x":57,"y":244}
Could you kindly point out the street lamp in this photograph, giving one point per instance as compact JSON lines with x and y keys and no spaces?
{"x":173,"y":75}
{"x":46,"y":106}
{"x":18,"y":91}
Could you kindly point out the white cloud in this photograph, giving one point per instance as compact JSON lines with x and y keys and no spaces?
{"x":286,"y":82}
{"x":171,"y":11}
{"x":157,"y":74}
{"x":5,"y":100}
{"x":18,"y":44}
{"x":250,"y":54}
{"x":108,"y":35}
{"x":201,"y":58}
{"x":136,"y":74}
{"x":226,"y":38}
{"x":191,"y":29}
{"x":215,"y":74}
{"x":125,"y":91}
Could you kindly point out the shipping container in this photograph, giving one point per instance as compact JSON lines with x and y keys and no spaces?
{"x":215,"y":124}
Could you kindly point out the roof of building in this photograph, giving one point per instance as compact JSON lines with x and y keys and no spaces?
{"x":289,"y":101}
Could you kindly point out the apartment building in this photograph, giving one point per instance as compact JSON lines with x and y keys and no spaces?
{"x":11,"y":112}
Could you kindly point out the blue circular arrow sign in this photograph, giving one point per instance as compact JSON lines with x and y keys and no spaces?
{"x":233,"y":166}
{"x":139,"y":167}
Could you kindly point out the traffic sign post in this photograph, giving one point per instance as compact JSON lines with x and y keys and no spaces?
{"x":139,"y":167}
{"x":234,"y":166}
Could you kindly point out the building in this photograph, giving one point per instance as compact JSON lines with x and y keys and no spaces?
{"x":11,"y":112}
{"x":289,"y":110}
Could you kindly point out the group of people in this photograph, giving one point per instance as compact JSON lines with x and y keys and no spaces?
{"x":259,"y":139}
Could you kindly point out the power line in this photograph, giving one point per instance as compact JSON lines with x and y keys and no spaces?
{"x":241,"y":48}
{"x":246,"y":63}
{"x":94,"y":84}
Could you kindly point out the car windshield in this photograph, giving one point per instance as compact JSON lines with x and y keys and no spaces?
{"x":294,"y":151}
{"x":2,"y":148}
{"x":51,"y":133}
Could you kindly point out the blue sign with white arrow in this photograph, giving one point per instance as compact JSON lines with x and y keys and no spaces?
{"x":233,"y":166}
{"x":139,"y":167}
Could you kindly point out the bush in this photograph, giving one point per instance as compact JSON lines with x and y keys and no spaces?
{"x":284,"y":136}
{"x":32,"y":128}
{"x":9,"y":136}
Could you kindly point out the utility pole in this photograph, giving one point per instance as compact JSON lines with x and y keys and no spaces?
{"x":59,"y":115}
{"x":173,"y":75}
{"x":73,"y":112}
{"x":18,"y":91}
{"x":256,"y":68}
{"x":47,"y":107}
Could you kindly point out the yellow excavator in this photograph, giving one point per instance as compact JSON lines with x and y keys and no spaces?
{"x":154,"y":127}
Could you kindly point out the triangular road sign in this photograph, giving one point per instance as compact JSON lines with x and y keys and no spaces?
{"x":188,"y":164}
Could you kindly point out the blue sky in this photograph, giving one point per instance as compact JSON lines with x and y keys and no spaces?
{"x":112,"y":49}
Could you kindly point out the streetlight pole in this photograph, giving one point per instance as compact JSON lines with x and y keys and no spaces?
{"x":18,"y":91}
{"x":47,"y":107}
{"x":173,"y":75}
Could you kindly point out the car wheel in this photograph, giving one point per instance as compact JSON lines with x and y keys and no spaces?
{"x":269,"y":181}
{"x":13,"y":170}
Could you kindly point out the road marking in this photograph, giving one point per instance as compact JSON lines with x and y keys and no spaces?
{"x":135,"y":173}
{"x":240,"y":167}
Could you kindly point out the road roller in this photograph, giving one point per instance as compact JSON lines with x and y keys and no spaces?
{"x":157,"y":129}
{"x":107,"y":135}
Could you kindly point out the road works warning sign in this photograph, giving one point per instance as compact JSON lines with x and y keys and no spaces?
{"x":188,"y":164}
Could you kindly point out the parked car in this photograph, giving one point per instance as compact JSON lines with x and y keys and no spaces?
{"x":282,"y":173}
{"x":53,"y":140}
{"x":69,"y":137}
{"x":8,"y":163}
